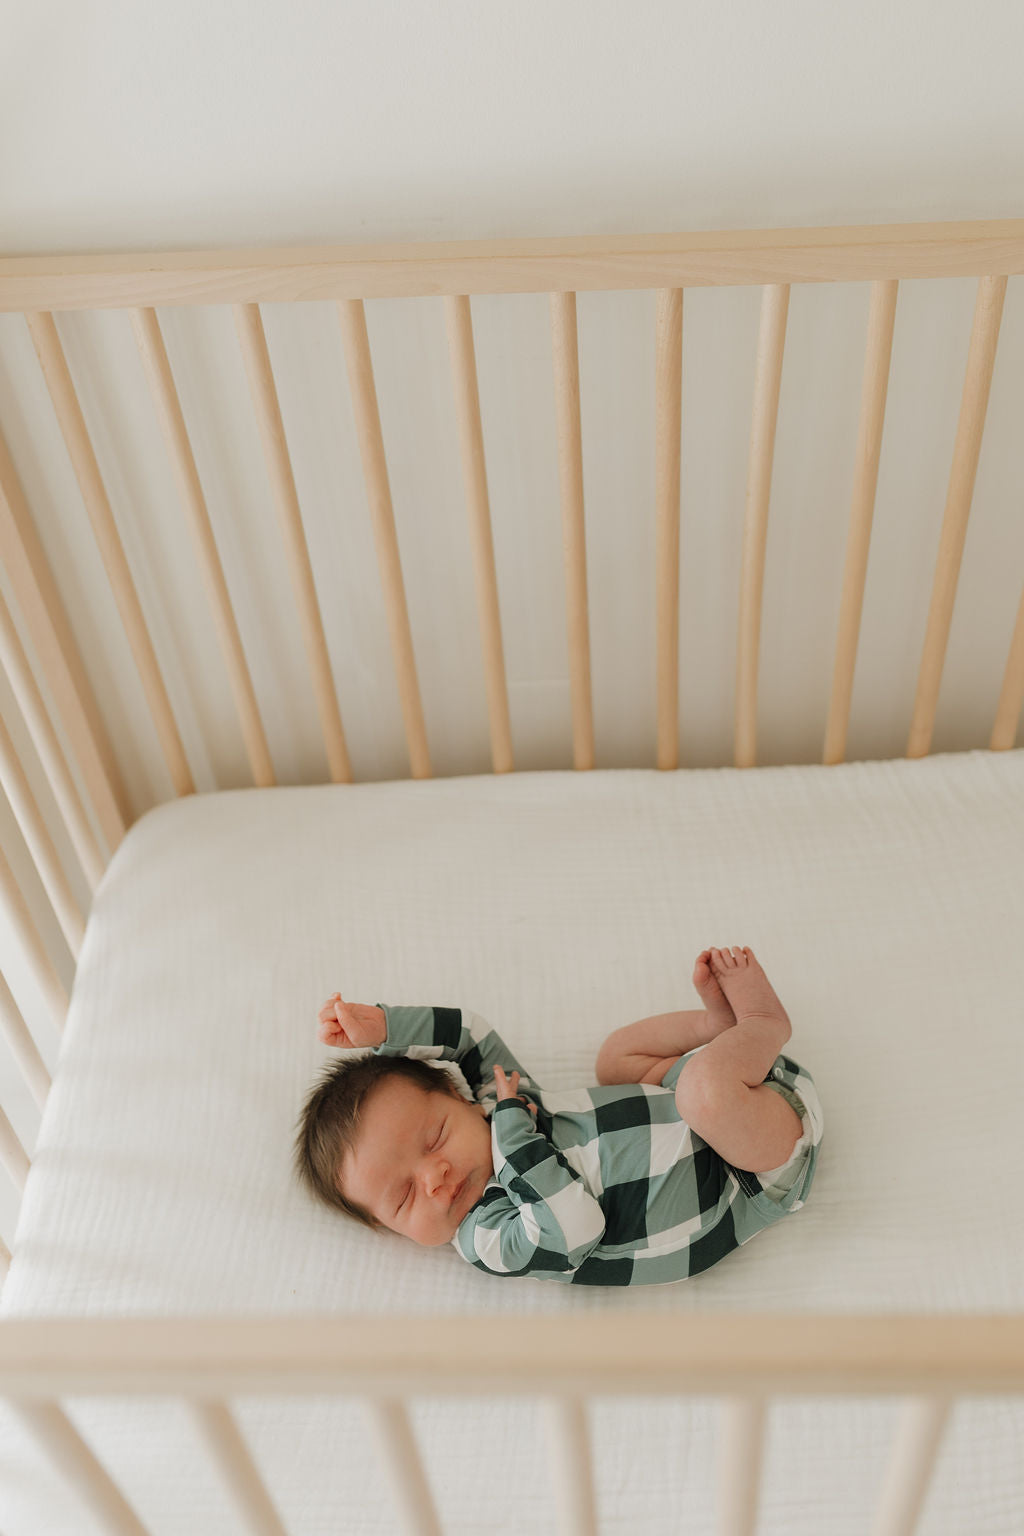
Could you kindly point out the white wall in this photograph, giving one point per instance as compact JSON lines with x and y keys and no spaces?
{"x":198,"y":124}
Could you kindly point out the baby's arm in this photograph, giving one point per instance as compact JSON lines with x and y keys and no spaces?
{"x":543,"y":1218}
{"x":445,"y":1034}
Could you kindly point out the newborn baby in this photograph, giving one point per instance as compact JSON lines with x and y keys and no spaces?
{"x":698,"y":1136}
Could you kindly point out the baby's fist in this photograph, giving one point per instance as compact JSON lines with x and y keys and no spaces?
{"x":351,"y":1026}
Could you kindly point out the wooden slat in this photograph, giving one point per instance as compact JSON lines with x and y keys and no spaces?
{"x":407,"y":1478}
{"x":977,"y":1354}
{"x":570,"y":469}
{"x":1011,"y":695}
{"x":988,"y":312}
{"x":268,"y":414}
{"x":31,"y":946}
{"x":44,"y":739}
{"x":841,"y":254}
{"x":767,"y":383}
{"x":75,"y":1463}
{"x":356,"y":340}
{"x":224,"y":1441}
{"x":668,"y":426}
{"x":172,"y":422}
{"x":13,"y":1154}
{"x":740,"y":1459}
{"x":40,"y":844}
{"x":90,"y":482}
{"x":910,"y":1470}
{"x":566,"y":1437}
{"x":57,"y":653}
{"x":22,"y":1046}
{"x":881,"y":322}
{"x":474,"y":473}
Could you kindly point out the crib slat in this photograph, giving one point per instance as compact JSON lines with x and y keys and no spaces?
{"x":83,"y":459}
{"x":61,"y":666}
{"x":570,"y":468}
{"x":224,"y":1441}
{"x":359,"y":362}
{"x":981,"y":359}
{"x":768,"y":379}
{"x":740,"y":1457}
{"x":12,"y":1153}
{"x":44,"y":739}
{"x":77,"y":1464}
{"x":154,"y":355}
{"x":668,"y":426}
{"x":474,"y":472}
{"x":253,"y":342}
{"x":31,"y":945}
{"x":572,"y":1471}
{"x":1011,"y":695}
{"x":40,"y":844}
{"x":22,"y":1046}
{"x":399,"y":1450}
{"x":910,"y":1469}
{"x":881,"y":322}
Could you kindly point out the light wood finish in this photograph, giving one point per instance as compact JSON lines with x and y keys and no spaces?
{"x":981,"y":359}
{"x":378,"y":495}
{"x":40,"y":844}
{"x":570,"y":470}
{"x":406,"y":1478}
{"x":840,"y":254}
{"x":740,"y":1458}
{"x":44,"y":739}
{"x":1011,"y":695}
{"x":13,"y":1154}
{"x":566,"y":1438}
{"x":32,"y":949}
{"x":767,"y":383}
{"x":172,"y":424}
{"x":90,"y":482}
{"x":910,"y":1469}
{"x":75,"y":1463}
{"x":668,"y":388}
{"x":474,"y":473}
{"x":716,"y":1354}
{"x":61,"y":666}
{"x":224,"y":1441}
{"x":22,"y":1046}
{"x":881,"y":322}
{"x":279,"y":469}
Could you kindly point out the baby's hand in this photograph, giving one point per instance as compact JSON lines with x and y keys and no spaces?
{"x":351,"y":1026}
{"x":508,"y":1088}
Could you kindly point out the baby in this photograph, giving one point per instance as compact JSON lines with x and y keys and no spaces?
{"x":698,"y":1136}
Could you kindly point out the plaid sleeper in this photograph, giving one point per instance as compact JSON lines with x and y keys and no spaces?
{"x":609,"y":1186}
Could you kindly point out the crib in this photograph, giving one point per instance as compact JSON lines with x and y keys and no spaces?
{"x":184,"y":1343}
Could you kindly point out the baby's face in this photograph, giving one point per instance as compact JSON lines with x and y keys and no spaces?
{"x":420,"y":1161}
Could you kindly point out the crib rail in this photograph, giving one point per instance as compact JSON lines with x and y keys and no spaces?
{"x":743,"y":1359}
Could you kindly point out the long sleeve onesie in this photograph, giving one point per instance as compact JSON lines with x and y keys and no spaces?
{"x":609,"y":1186}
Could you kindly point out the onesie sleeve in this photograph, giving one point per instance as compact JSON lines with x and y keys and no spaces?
{"x":454,"y":1034}
{"x":542,"y":1218}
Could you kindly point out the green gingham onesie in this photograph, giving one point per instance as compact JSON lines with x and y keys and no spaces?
{"x":609,"y":1186}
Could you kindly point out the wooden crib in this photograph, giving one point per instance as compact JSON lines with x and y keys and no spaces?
{"x":745,"y":1361}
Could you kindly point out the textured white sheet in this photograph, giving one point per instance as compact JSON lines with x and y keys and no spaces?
{"x":886,"y":901}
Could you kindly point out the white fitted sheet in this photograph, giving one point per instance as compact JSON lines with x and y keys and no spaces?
{"x":886,"y":902}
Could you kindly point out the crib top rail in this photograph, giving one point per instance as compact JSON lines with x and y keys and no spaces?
{"x":841,"y":254}
{"x":760,"y":1353}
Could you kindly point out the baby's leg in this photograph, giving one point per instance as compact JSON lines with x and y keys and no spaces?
{"x":721,"y":1093}
{"x":644,"y":1051}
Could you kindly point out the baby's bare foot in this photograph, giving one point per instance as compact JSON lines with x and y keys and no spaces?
{"x":719,"y":1010}
{"x":745,"y":984}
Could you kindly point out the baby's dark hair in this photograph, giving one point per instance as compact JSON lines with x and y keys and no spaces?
{"x":330,"y":1117}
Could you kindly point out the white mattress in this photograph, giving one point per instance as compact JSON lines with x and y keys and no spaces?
{"x":886,"y":902}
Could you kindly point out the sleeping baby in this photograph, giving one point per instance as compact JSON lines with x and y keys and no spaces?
{"x":698,"y":1135}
